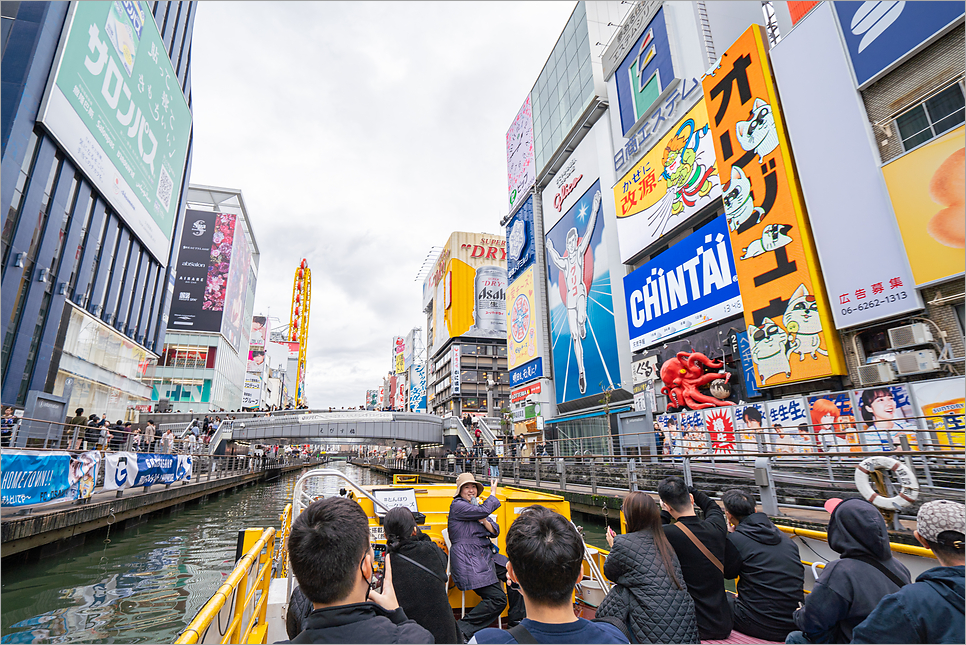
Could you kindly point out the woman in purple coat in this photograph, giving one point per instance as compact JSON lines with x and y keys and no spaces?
{"x":471,"y":553}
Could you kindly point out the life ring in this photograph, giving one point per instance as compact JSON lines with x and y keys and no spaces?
{"x":910,"y":485}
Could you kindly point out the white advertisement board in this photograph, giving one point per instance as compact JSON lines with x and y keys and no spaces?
{"x":252,"y":392}
{"x":566,"y":188}
{"x":852,"y":221}
{"x":521,"y":167}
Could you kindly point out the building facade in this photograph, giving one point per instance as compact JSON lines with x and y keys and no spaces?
{"x":204,"y":359}
{"x":92,"y":220}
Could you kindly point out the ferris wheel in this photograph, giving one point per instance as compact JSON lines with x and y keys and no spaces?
{"x":298,"y":328}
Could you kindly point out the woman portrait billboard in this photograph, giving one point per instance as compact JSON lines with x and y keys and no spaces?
{"x":833,"y":422}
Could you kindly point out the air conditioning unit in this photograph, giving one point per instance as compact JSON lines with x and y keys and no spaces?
{"x":909,"y":336}
{"x":916,"y":362}
{"x":874,"y":373}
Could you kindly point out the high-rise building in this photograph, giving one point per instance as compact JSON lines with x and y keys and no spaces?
{"x":96,"y":135}
{"x":205,"y":356}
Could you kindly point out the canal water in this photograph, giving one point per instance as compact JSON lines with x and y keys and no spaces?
{"x":145,"y":584}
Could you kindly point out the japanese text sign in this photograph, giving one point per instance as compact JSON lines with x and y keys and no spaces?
{"x":785,"y":306}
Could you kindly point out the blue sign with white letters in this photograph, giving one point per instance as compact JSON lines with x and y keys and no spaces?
{"x":690,"y":285}
{"x":33,"y":477}
{"x":526,"y":372}
{"x":520,"y":249}
{"x":879,"y":34}
{"x":644,"y":73}
{"x":747,"y":364}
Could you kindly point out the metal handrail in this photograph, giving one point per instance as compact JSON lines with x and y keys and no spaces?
{"x":895,"y":546}
{"x":297,"y":506}
{"x":236,"y":581}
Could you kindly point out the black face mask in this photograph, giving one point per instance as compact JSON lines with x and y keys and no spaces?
{"x":368,"y":581}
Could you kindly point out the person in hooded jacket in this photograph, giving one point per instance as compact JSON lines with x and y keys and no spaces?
{"x":931,"y":610}
{"x":419,"y":567}
{"x":649,"y":593}
{"x":850,"y":587}
{"x":768,"y":567}
{"x":471,"y":554}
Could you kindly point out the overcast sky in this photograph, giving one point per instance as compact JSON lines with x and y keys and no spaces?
{"x":361,"y":134}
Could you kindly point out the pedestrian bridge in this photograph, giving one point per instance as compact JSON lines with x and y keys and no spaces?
{"x":342,"y":426}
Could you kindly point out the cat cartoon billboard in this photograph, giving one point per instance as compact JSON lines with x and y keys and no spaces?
{"x":786,"y":309}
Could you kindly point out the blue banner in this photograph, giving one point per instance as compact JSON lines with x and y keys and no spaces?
{"x":747,"y":364}
{"x":690,"y":285}
{"x":519,"y":241}
{"x":30,"y":477}
{"x":880,"y":34}
{"x":132,"y":469}
{"x":644,"y":73}
{"x":526,"y":372}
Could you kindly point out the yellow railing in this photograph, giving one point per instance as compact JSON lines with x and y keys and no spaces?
{"x":895,"y":546}
{"x":255,"y":604}
{"x":405,"y":479}
{"x":281,"y":542}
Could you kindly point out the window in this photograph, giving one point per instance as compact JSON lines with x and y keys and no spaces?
{"x":932,"y":117}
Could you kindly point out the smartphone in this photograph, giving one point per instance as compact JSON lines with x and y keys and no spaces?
{"x":378,"y":566}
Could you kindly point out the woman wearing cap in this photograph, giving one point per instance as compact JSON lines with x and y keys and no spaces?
{"x":471,"y":553}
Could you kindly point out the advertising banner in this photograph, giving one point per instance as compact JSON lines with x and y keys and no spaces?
{"x":204,"y":267}
{"x":456,"y":371}
{"x":417,"y":388}
{"x":516,"y":396}
{"x":582,"y":329}
{"x":926,"y":187}
{"x":256,"y":344}
{"x":233,"y":327}
{"x":748,"y":421}
{"x":747,"y":364}
{"x":252,"y":392}
{"x":468,"y":286}
{"x":881,"y":34}
{"x":867,"y":281}
{"x":720,"y":423}
{"x":380,"y":400}
{"x":399,"y":354}
{"x":521,"y":166}
{"x":526,"y":372}
{"x":785,"y":307}
{"x":690,"y":285}
{"x":942,"y":401}
{"x":789,"y":419}
{"x":521,"y":249}
{"x":644,"y":74}
{"x":570,"y":183}
{"x":114,"y":104}
{"x":523,"y":337}
{"x":883,"y":414}
{"x":672,"y":182}
{"x":409,"y":353}
{"x":134,"y":469}
{"x":667,"y":426}
{"x":694,"y":435}
{"x":33,"y":477}
{"x":833,"y":422}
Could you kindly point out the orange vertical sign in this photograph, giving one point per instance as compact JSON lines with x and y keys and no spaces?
{"x":785,"y":305}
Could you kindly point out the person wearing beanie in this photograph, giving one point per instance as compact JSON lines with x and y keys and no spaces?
{"x":931,"y":609}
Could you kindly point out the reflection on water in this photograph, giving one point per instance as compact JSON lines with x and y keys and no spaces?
{"x":144,"y":584}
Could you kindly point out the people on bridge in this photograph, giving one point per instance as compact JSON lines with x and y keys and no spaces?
{"x":931,"y":609}
{"x":850,"y":587}
{"x":648,"y":591}
{"x":419,"y":574}
{"x":76,"y":429}
{"x":333,"y":561}
{"x":149,"y":431}
{"x":700,"y":546}
{"x":6,"y":427}
{"x":768,"y":567}
{"x":471,"y":554}
{"x":92,"y":433}
{"x":167,"y":442}
{"x":546,"y":557}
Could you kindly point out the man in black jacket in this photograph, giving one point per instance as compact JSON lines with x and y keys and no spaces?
{"x":691,"y":538}
{"x":332,"y":560}
{"x":770,"y":569}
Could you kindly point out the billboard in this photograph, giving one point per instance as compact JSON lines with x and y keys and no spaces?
{"x":521,"y":248}
{"x":570,"y":183}
{"x":690,"y":285}
{"x":883,"y":413}
{"x":399,"y":354}
{"x":789,"y":420}
{"x":833,"y":422}
{"x":381,"y":397}
{"x":861,"y":279}
{"x":256,"y":344}
{"x":410,"y":351}
{"x":467,"y":287}
{"x":582,"y":329}
{"x":943,"y":403}
{"x":669,"y":184}
{"x":114,"y":104}
{"x":521,"y":167}
{"x":926,"y":188}
{"x":456,"y":371}
{"x":785,"y":308}
{"x":644,"y":73}
{"x":526,"y":372}
{"x":213,"y":269}
{"x":880,"y":35}
{"x":417,"y":388}
{"x":523,"y":335}
{"x":252,"y":392}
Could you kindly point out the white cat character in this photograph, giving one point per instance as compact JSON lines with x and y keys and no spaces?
{"x":739,"y":206}
{"x":772,"y":237}
{"x":758,"y":133}
{"x":803,"y":324}
{"x":769,"y":349}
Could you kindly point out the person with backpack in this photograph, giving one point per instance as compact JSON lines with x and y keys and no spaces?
{"x":931,"y":609}
{"x":546,"y":556}
{"x":850,"y":587}
{"x":649,"y":594}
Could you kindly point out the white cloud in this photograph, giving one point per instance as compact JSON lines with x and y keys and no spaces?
{"x":361,"y":134}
